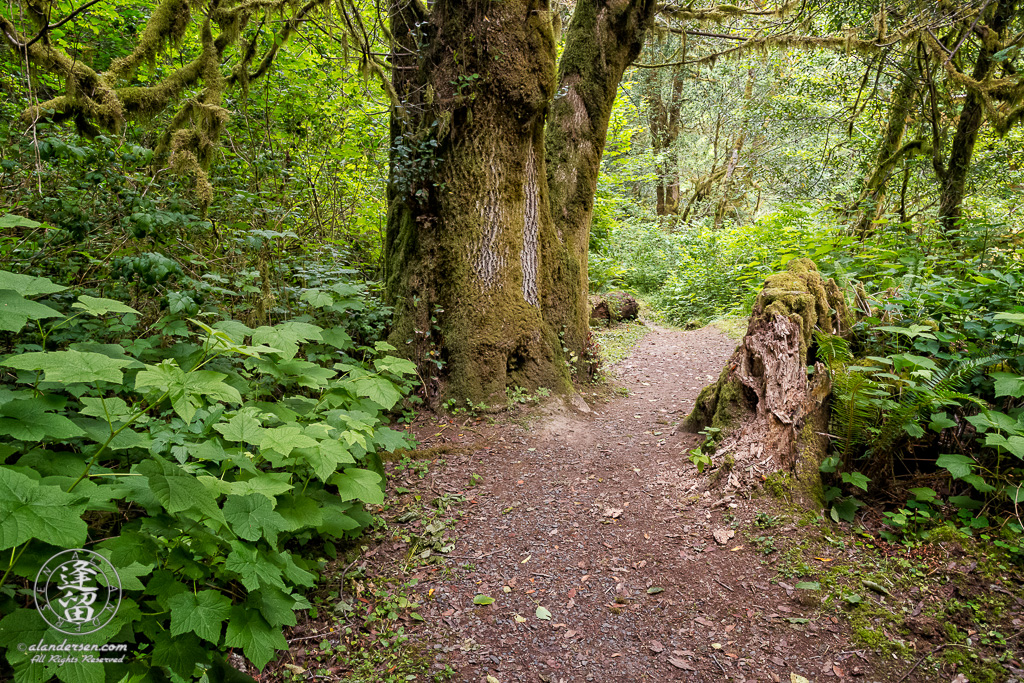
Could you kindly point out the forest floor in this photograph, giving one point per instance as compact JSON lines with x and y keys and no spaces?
{"x":570,"y":543}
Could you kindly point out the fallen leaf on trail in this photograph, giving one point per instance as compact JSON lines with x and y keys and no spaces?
{"x":507,"y":589}
{"x":614,"y":513}
{"x":704,"y":622}
{"x":616,"y":654}
{"x":492,"y":679}
{"x":798,"y":620}
{"x":654,"y":590}
{"x":572,"y":593}
{"x":519,"y":619}
{"x":569,"y":634}
{"x":878,"y":588}
{"x":525,"y":559}
{"x":797,"y":678}
{"x":837,"y":671}
{"x":483,"y":600}
{"x":808,"y":586}
{"x":739,"y":547}
{"x":722,"y":536}
{"x":824,"y":559}
{"x":717,"y":646}
{"x":543,"y":613}
{"x":680,"y":664}
{"x":656,"y":646}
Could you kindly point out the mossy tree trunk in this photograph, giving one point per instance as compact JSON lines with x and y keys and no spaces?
{"x":891,"y":150}
{"x":492,"y":186}
{"x":763,"y":393}
{"x":954,"y":176}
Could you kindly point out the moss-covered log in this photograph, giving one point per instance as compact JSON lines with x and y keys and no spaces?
{"x":613,"y":307}
{"x":764,"y":394}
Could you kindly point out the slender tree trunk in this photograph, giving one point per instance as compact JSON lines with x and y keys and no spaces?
{"x":604,"y":37}
{"x":872,"y":198}
{"x":663,"y":121}
{"x":972,"y":116}
{"x":485,"y":263}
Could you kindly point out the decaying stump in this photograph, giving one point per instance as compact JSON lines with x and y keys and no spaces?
{"x":763,"y":398}
{"x":614,"y":307}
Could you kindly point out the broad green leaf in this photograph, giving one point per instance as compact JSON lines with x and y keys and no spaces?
{"x":338,"y":338}
{"x":924,"y":494}
{"x":108,"y":409}
{"x":178,"y":490}
{"x":293,"y":572}
{"x":979,"y":484}
{"x":1008,"y":384}
{"x":285,"y":439}
{"x":248,"y":630}
{"x":1017,"y":318}
{"x":70,"y":367}
{"x":202,"y":613}
{"x":336,"y":522}
{"x":359,"y":484}
{"x":242,"y":428}
{"x":276,"y":606}
{"x":16,"y":310}
{"x":286,"y":336}
{"x":1014,"y":444}
{"x":390,"y":440}
{"x":99,"y":306}
{"x":27,"y":285}
{"x":940,"y":421}
{"x":543,"y":613}
{"x":299,"y":512}
{"x":325,"y":458}
{"x":317,"y":298}
{"x":957,"y":465}
{"x":30,"y":510}
{"x":252,"y":517}
{"x":808,"y":585}
{"x":399,"y":366}
{"x":377,"y":389}
{"x":181,"y":653}
{"x":266,"y":484}
{"x":10,"y":220}
{"x":187,"y":391}
{"x":858,"y":479}
{"x":253,"y":568}
{"x":483,"y":599}
{"x":28,"y":420}
{"x":99,"y":431}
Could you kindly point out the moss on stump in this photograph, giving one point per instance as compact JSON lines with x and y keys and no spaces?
{"x":764,"y":394}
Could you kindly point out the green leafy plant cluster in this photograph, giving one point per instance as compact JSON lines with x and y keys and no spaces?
{"x":214,"y":464}
{"x":933,"y":380}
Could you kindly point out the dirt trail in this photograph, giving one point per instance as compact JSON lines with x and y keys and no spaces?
{"x":600,"y":519}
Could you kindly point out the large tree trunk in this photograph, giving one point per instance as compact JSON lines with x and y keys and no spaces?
{"x":954,"y":181}
{"x":487,"y":274}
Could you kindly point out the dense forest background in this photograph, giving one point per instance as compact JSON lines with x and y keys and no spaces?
{"x":193,"y":284}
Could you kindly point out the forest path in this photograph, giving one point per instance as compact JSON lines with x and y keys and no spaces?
{"x":600,"y":519}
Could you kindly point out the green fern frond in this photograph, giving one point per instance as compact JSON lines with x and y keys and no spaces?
{"x":940,"y":389}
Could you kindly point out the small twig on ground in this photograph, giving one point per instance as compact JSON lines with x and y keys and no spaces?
{"x":719,"y":665}
{"x":546,"y":576}
{"x":730,"y":588}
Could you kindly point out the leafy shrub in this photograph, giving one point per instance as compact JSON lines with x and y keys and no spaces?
{"x":214,"y":465}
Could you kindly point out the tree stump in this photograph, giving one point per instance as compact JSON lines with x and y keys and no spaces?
{"x":763,"y":399}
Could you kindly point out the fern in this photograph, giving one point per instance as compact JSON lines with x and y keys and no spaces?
{"x":941,"y":389}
